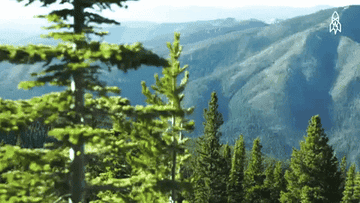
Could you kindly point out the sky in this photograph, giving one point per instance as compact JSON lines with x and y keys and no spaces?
{"x":13,"y":12}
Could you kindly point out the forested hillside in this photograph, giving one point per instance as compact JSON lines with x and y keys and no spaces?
{"x":270,"y":78}
{"x":90,"y":147}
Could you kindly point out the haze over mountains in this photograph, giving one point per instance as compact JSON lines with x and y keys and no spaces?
{"x":270,"y":78}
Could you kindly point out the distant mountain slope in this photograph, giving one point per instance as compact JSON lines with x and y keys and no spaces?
{"x":270,"y":78}
{"x":284,"y":74}
{"x":199,"y":31}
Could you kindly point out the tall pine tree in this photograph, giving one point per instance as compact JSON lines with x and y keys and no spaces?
{"x":343,"y":170}
{"x":279,"y":182}
{"x":313,"y":174}
{"x":348,"y":194}
{"x":42,"y":176}
{"x":168,"y":87}
{"x":236,"y":177}
{"x":357,"y":187}
{"x":255,"y":176}
{"x":208,"y":176}
{"x":226,"y":153}
{"x":269,"y":182}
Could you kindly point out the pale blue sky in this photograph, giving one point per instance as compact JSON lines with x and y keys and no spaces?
{"x":14,"y":13}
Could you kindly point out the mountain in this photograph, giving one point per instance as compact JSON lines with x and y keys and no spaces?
{"x":270,"y":78}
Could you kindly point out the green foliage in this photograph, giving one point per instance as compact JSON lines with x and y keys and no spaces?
{"x":139,"y":142}
{"x":279,"y":183}
{"x":236,"y":177}
{"x":348,"y":194}
{"x":314,"y":175}
{"x":255,"y":191}
{"x":133,"y":159}
{"x":226,"y":154}
{"x":167,"y":86}
{"x":208,"y":177}
{"x":343,"y":171}
{"x":356,"y":195}
{"x":37,"y":175}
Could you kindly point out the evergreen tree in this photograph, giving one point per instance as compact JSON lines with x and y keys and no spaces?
{"x":201,"y":190}
{"x":269,"y":182}
{"x":189,"y":167}
{"x":235,"y":188}
{"x":43,"y":175}
{"x":227,"y":168}
{"x":313,"y":174}
{"x":269,"y":173}
{"x":279,"y":182}
{"x":227,"y":156}
{"x":357,"y":187}
{"x":348,"y":194}
{"x":168,"y":87}
{"x":209,"y":184}
{"x":343,"y":171}
{"x":254,"y":176}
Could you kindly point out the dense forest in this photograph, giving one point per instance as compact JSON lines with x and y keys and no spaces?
{"x":223,"y":173}
{"x":122,"y":153}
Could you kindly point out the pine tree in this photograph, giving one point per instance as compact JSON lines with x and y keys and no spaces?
{"x":356,"y":195}
{"x":254,"y":176}
{"x":348,"y":194}
{"x":235,"y":188}
{"x":269,"y":173}
{"x":168,"y":87}
{"x":227,"y":156}
{"x":189,"y":167}
{"x":227,"y":168}
{"x":269,"y":182}
{"x":343,"y":171}
{"x":313,"y":174}
{"x":201,"y":190}
{"x":209,"y":186}
{"x":279,"y":182}
{"x":42,"y":176}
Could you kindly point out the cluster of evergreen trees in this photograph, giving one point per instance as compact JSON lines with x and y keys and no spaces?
{"x":314,"y":174}
{"x":143,"y":156}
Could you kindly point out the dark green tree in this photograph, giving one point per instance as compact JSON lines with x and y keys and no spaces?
{"x":255,"y":176}
{"x":348,"y":194}
{"x":43,"y":175}
{"x":269,"y":182}
{"x":269,"y":172}
{"x":236,"y":177}
{"x":279,"y":182}
{"x":201,"y":190}
{"x":343,"y":167}
{"x":209,"y":184}
{"x":313,"y":174}
{"x":226,"y":153}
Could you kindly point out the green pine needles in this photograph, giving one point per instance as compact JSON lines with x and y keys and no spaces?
{"x":142,"y":155}
{"x":209,"y":175}
{"x":314,"y":175}
{"x":136,"y":154}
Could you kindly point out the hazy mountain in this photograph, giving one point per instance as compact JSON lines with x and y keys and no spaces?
{"x":284,"y":74}
{"x":270,"y":78}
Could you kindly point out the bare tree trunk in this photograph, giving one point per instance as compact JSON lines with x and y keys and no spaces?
{"x":78,"y":164}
